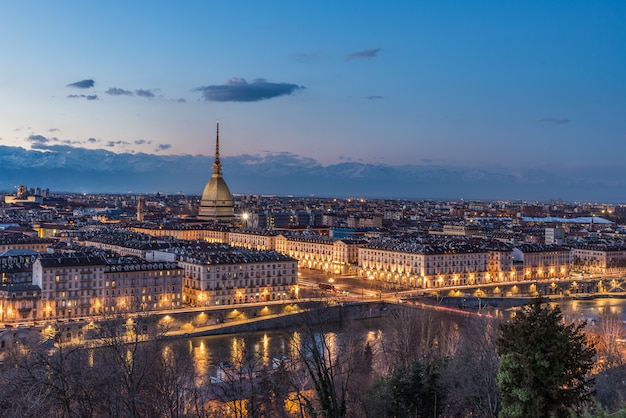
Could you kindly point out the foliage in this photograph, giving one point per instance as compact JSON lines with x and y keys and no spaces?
{"x":544,"y":371}
{"x":408,"y":392}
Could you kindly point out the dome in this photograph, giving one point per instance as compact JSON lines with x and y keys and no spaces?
{"x":216,"y":190}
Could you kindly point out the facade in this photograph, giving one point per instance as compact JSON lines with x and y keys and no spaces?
{"x":185,"y":232}
{"x":419,"y":265}
{"x":79,"y":285}
{"x":19,"y":302}
{"x":599,"y":258}
{"x":328,"y":254}
{"x":132,"y":284}
{"x":71,"y":284}
{"x":542,"y":261}
{"x":255,"y":240}
{"x":216,"y":203}
{"x":222,"y":275}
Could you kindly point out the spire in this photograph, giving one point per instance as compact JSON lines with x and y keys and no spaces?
{"x":217,"y":165}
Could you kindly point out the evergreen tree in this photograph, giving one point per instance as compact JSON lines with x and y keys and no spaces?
{"x":545,"y":364}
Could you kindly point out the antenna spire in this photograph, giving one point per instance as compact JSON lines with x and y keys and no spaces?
{"x":217,"y":165}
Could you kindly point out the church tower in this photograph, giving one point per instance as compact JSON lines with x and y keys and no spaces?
{"x":217,"y":202}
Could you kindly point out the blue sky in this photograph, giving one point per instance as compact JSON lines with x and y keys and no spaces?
{"x":491,"y":84}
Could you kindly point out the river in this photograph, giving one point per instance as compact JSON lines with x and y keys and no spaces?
{"x":266,"y":346}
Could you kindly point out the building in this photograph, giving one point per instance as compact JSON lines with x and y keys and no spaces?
{"x":599,"y":258}
{"x":132,"y":284}
{"x":216,"y":203}
{"x":555,"y":236}
{"x":542,"y":261}
{"x":324,"y":253}
{"x":71,"y":284}
{"x":433,"y":264}
{"x":216,"y":275}
{"x":23,"y":196}
{"x":79,"y":284}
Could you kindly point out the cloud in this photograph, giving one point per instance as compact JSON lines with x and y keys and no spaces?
{"x":38,"y":139}
{"x":238,"y":90}
{"x":83,"y":96}
{"x":374,"y":97}
{"x":92,"y":140}
{"x":44,"y":143}
{"x":368,"y":53}
{"x":112,"y":144}
{"x":82,"y":84}
{"x":54,"y":130}
{"x":163,"y":147}
{"x":144,"y":93}
{"x":181,"y":100}
{"x":116,"y":91}
{"x":142,"y":141}
{"x":553,"y":121}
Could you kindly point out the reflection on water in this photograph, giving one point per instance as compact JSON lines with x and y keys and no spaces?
{"x":201,"y":357}
{"x":590,"y":310}
{"x":261,"y":348}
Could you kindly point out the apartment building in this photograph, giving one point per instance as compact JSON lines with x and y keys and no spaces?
{"x":223,"y":275}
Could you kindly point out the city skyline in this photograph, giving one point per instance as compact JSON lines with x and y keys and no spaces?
{"x":526,"y":92}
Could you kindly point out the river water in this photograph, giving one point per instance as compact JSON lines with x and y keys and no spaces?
{"x":265,"y":348}
{"x":268,"y":346}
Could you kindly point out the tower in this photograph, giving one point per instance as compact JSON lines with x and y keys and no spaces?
{"x":140,"y":209}
{"x":216,"y":203}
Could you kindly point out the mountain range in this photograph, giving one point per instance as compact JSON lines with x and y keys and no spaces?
{"x":70,"y":169}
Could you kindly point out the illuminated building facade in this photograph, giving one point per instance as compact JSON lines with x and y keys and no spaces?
{"x":542,"y":261}
{"x":79,"y":285}
{"x":339,"y":256}
{"x":418,"y":265}
{"x":185,"y":232}
{"x":599,"y":258}
{"x":70,"y":284}
{"x":253,"y":240}
{"x":234,"y":276}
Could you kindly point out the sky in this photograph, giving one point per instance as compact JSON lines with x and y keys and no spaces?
{"x":501,"y":85}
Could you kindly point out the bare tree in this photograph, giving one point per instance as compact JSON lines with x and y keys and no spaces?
{"x":333,"y":363}
{"x":470,"y":375}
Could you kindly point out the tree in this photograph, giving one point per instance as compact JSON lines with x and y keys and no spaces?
{"x":545,"y":364}
{"x":470,"y":375}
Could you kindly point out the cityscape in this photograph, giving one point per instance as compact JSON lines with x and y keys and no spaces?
{"x":78,"y":269}
{"x":312,"y":210}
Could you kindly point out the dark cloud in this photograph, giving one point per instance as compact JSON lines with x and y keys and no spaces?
{"x":83,"y":96}
{"x":553,"y":121}
{"x":144,"y":93}
{"x":142,"y":141}
{"x":163,"y":147}
{"x":54,"y":130}
{"x":181,"y":100}
{"x":374,"y":97}
{"x":116,"y":91}
{"x":112,"y":144}
{"x":38,"y":139}
{"x":238,"y":90}
{"x":82,"y":84}
{"x":42,"y":142}
{"x":92,"y":140}
{"x":368,"y":53}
